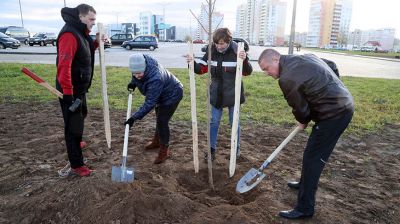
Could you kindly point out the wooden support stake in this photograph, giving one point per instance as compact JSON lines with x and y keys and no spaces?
{"x":193,"y":110}
{"x":106,"y":110}
{"x":236,"y":111}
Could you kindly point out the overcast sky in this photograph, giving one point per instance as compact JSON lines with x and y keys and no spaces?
{"x":44,"y":15}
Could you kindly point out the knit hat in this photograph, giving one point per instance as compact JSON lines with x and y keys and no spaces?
{"x":137,"y":63}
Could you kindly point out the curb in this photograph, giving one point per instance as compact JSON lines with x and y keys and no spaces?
{"x":360,"y":56}
{"x":30,"y":53}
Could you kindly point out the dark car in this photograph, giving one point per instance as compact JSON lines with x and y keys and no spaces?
{"x":120,"y":38}
{"x":107,"y":43}
{"x":16,"y":32}
{"x":43,"y":39}
{"x":145,"y":42}
{"x":237,"y":40}
{"x":6,"y":41}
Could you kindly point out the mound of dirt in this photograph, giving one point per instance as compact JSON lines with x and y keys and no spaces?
{"x":360,"y":184}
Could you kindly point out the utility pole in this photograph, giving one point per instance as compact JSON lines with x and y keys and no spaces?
{"x":20,"y":11}
{"x":292,"y":30}
{"x":65,"y":4}
{"x":165,"y":30}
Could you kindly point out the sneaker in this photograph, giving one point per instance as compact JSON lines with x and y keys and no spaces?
{"x":82,"y":171}
{"x":82,"y":144}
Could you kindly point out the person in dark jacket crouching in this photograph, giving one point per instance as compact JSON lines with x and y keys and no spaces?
{"x":162,"y":91}
{"x":314,"y":92}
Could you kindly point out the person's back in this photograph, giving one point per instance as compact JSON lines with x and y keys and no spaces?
{"x":155,"y":74}
{"x":325,"y":94}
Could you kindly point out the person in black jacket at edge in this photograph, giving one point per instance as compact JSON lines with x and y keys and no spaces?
{"x":314,"y":92}
{"x":75,"y":61}
{"x":162,"y":91}
{"x":223,"y":77}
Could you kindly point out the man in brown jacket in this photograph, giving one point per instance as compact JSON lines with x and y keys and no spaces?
{"x":314,"y":92}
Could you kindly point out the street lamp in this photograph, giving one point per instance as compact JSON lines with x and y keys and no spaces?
{"x":292,"y":30}
{"x":20,"y":11}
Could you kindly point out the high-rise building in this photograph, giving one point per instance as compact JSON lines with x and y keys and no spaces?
{"x":150,"y":24}
{"x":345,"y":19}
{"x":241,"y":21}
{"x":329,"y":22}
{"x":216,"y":22}
{"x":262,"y":21}
{"x":145,"y":23}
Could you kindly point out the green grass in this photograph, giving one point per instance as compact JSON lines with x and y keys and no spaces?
{"x":377,"y":100}
{"x":372,"y":54}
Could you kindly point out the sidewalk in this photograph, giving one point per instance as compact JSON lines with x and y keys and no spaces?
{"x":355,"y":55}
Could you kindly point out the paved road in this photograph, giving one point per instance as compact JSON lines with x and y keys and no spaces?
{"x":171,"y":56}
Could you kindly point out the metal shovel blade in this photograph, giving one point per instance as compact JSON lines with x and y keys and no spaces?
{"x":121,"y":174}
{"x":249,"y":180}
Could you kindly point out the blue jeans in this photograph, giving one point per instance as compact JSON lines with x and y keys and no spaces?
{"x":216,"y":115}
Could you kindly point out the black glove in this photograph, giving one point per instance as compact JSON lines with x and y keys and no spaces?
{"x":68,"y":99}
{"x":131,"y":87}
{"x":130,"y":121}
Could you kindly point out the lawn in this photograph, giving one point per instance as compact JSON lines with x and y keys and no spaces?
{"x":377,"y":100}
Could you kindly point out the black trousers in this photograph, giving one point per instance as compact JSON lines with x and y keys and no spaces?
{"x":322,"y":141}
{"x":73,"y":131}
{"x":164,"y":114}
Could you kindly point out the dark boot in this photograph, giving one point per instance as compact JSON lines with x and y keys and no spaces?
{"x":155,"y":143}
{"x":163,"y":154}
{"x":294,"y":185}
{"x":212,"y":155}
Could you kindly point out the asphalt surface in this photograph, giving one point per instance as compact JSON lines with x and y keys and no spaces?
{"x":171,"y":55}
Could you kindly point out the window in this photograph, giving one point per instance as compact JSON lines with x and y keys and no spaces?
{"x":139,"y":39}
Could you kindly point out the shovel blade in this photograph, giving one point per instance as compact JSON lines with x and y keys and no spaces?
{"x":120,"y":174}
{"x":249,"y":180}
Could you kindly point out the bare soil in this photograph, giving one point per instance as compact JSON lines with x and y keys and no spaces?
{"x":360,"y":184}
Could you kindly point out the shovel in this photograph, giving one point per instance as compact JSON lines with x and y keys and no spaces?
{"x":123,"y":173}
{"x":255,"y":176}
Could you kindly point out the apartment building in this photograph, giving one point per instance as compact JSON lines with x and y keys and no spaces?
{"x":329,"y":22}
{"x":217,"y":21}
{"x":262,"y":21}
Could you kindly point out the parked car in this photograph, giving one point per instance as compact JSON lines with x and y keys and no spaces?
{"x":198,"y":41}
{"x":149,"y":42}
{"x":6,"y":41}
{"x":16,"y":32}
{"x":119,"y":38}
{"x":236,"y":39}
{"x":367,"y":48}
{"x":43,"y":39}
{"x":107,"y":43}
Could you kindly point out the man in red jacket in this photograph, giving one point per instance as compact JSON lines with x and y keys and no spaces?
{"x":75,"y":62}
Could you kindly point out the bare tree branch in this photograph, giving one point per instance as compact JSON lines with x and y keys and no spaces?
{"x":198,"y":21}
{"x":209,"y":163}
{"x":205,"y":10}
{"x":220,"y":22}
{"x":213,"y":7}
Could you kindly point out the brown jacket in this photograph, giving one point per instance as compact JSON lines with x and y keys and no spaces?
{"x":312,"y":89}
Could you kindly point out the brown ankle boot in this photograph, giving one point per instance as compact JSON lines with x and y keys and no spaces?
{"x":155,"y":143}
{"x":163,"y":154}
